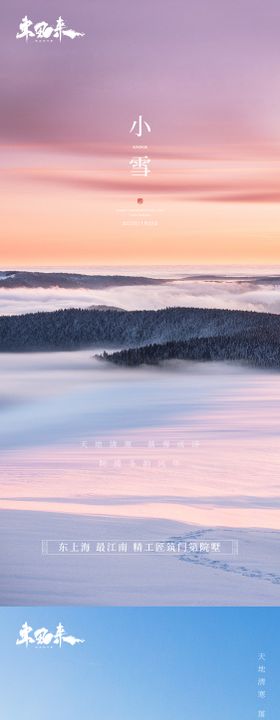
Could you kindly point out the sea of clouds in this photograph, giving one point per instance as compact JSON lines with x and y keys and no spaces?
{"x":228,"y":293}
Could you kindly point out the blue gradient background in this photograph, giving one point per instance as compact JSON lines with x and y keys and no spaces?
{"x":167,"y":663}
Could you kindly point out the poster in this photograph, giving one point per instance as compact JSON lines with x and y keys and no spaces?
{"x":139,"y":351}
{"x":152,"y":662}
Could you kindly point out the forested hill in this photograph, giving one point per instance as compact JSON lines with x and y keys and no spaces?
{"x":253,"y":350}
{"x":75,"y":281}
{"x":75,"y":328}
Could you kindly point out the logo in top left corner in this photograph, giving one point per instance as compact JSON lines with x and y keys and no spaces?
{"x":43,"y":32}
{"x":42,"y":637}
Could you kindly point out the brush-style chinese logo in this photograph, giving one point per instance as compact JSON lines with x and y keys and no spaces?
{"x":43,"y":637}
{"x":42,"y":32}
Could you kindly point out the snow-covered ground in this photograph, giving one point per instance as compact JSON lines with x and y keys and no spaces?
{"x":29,"y":578}
{"x":90,"y":451}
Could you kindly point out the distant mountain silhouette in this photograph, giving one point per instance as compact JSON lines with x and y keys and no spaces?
{"x":27,"y":279}
{"x":105,"y":307}
{"x":39,"y":279}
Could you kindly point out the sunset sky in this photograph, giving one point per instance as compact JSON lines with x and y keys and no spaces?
{"x":205,"y":76}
